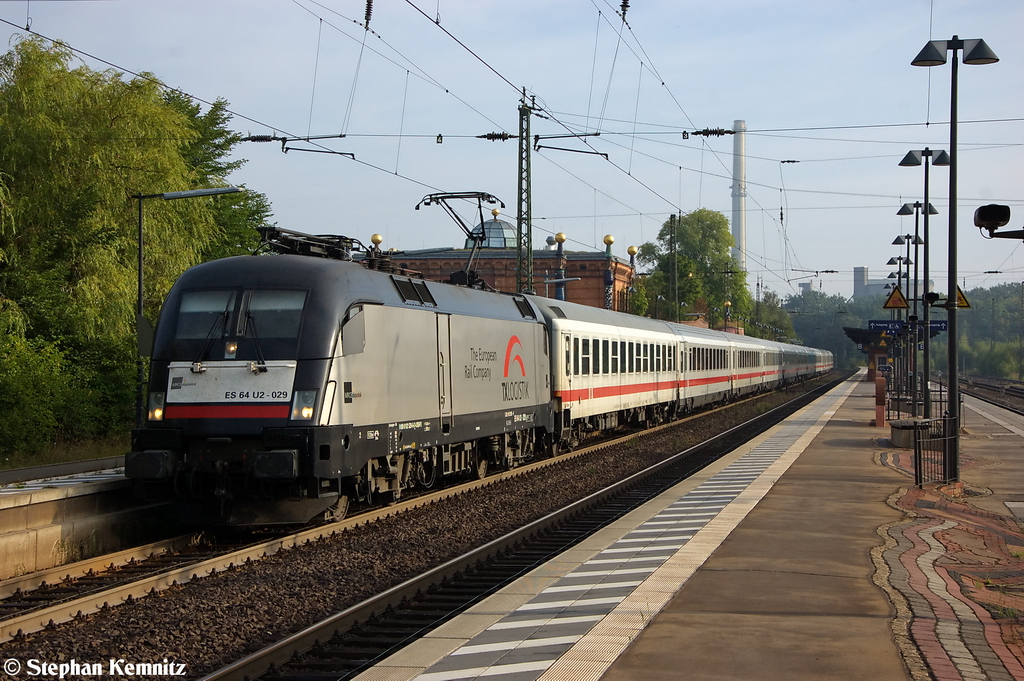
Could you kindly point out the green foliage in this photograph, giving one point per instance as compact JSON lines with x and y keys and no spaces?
{"x":75,"y":145}
{"x":770,"y":320}
{"x":38,"y":394}
{"x":690,"y":262}
{"x":818,"y":320}
{"x":77,"y":149}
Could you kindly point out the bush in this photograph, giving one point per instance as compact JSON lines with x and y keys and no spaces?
{"x":45,"y":398}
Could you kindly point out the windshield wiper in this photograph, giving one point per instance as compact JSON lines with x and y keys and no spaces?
{"x":260,"y":365}
{"x":221,"y":320}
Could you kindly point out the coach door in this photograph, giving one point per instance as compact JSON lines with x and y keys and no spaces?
{"x":444,"y":370}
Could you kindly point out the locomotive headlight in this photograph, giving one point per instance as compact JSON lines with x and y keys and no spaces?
{"x":230,"y":349}
{"x":156,"y":406}
{"x":302,"y":405}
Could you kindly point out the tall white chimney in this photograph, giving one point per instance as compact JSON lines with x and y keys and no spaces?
{"x":739,"y":193}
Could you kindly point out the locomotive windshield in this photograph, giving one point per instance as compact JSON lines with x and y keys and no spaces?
{"x":238,"y":324}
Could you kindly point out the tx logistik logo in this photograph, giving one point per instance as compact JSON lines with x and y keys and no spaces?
{"x":514,"y":390}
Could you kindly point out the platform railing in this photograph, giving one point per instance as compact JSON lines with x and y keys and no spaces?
{"x":931,"y":451}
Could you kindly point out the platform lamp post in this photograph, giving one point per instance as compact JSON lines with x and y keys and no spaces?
{"x":560,"y":272}
{"x":899,"y":375}
{"x":938,"y":157}
{"x":934,"y":54}
{"x":632,"y":250}
{"x":143,"y":329}
{"x":912,"y":318}
{"x":609,"y":272}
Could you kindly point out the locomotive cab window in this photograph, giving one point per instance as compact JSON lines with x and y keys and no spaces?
{"x":201,"y":312}
{"x":231,"y":324}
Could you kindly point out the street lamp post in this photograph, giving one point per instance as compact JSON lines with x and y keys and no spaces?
{"x":560,"y":272}
{"x":143,"y":329}
{"x":938,"y":157}
{"x":934,"y":54}
{"x":912,"y":325}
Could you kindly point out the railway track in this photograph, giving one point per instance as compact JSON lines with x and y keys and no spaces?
{"x":350,"y":641}
{"x":1000,"y":392}
{"x":166,"y":570}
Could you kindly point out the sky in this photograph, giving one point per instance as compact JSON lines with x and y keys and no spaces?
{"x":826,"y":84}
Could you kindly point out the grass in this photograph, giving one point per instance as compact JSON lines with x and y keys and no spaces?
{"x":62,"y":453}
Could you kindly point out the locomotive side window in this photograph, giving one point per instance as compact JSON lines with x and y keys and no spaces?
{"x":353,"y":332}
{"x":204,"y":312}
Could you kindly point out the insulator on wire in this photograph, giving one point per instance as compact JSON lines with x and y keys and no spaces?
{"x":625,"y":6}
{"x":260,"y":138}
{"x":714,"y":132}
{"x":497,"y":136}
{"x":369,"y":11}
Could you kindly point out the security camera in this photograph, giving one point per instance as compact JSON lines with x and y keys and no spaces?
{"x":991,"y":217}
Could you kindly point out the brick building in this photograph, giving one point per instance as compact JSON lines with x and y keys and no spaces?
{"x":496,"y":265}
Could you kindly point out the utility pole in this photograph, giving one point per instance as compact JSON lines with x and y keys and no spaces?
{"x":524,"y":213}
{"x":672,"y":222}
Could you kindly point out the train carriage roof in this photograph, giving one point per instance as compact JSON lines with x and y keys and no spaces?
{"x":554,"y":310}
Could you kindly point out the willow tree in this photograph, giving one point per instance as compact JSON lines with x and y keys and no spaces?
{"x":76,"y":145}
{"x":691,"y":264}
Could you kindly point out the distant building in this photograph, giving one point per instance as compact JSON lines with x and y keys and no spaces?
{"x":864,"y":287}
{"x":496,"y":265}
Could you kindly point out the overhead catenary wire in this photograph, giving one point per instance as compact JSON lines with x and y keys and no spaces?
{"x":316,"y":66}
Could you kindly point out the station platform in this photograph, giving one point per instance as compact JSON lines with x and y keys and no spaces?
{"x":806,"y":554}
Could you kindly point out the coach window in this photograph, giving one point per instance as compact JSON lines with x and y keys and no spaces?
{"x":568,"y":355}
{"x":646,"y":358}
{"x":604,"y":357}
{"x":585,"y":357}
{"x":629,"y":355}
{"x":576,"y":356}
{"x":597,"y":357}
{"x":615,"y":357}
{"x":622,"y":356}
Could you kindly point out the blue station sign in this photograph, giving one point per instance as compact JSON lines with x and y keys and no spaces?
{"x":892,"y":325}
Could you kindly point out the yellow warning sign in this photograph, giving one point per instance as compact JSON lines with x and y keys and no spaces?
{"x":961,"y":299}
{"x":896,"y":301}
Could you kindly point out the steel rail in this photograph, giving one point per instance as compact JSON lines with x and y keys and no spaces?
{"x":280,"y":652}
{"x":49,"y":616}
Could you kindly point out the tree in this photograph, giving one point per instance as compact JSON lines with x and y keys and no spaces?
{"x":691,"y":264}
{"x":818,"y":320}
{"x":76,"y":145}
{"x":236,"y":215}
{"x":770,"y":319}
